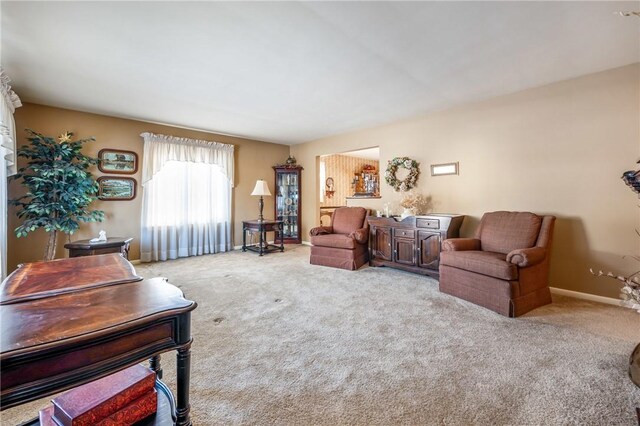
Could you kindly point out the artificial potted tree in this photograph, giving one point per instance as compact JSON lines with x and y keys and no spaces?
{"x":59,"y":187}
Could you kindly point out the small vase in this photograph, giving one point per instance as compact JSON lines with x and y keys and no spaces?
{"x":406,"y":213}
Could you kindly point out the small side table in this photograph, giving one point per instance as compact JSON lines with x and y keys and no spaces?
{"x":87,"y":248}
{"x":262,"y":227}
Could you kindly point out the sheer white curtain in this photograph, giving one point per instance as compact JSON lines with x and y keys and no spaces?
{"x":186,"y":197}
{"x":9,"y":101}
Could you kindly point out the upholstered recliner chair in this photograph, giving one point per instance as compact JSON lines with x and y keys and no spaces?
{"x":505,"y":267}
{"x":344,"y":243}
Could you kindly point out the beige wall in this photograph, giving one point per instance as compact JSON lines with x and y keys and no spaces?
{"x":558,"y":149}
{"x":253,"y":160}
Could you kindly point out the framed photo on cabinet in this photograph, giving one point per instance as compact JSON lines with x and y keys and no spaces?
{"x":116,"y":188}
{"x":118,"y":161}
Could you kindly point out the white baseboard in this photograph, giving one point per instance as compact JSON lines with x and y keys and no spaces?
{"x":306,"y":243}
{"x":585,"y":296}
{"x":135,"y":262}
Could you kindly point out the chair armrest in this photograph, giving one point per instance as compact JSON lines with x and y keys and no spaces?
{"x":320,"y":230}
{"x":460,"y":244}
{"x":527,"y":257}
{"x":360,"y":235}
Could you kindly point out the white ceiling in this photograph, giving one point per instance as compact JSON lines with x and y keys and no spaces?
{"x":292,"y":72}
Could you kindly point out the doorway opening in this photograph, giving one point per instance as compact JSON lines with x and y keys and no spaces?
{"x":352,"y":175}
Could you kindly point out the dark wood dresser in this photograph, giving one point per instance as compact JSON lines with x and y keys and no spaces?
{"x":412,"y":244}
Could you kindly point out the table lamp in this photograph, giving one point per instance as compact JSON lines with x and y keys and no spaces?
{"x":261,"y":189}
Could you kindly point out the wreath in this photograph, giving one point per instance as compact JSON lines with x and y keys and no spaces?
{"x":406,"y":163}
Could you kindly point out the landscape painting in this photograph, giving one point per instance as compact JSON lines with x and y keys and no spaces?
{"x":117,"y":161}
{"x":116,"y":188}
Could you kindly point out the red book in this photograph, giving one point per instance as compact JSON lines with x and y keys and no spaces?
{"x":139,"y":409}
{"x":142,"y":407}
{"x":86,"y":405}
{"x":46,"y":416}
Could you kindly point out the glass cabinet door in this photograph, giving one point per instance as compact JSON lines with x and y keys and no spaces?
{"x":287,"y":202}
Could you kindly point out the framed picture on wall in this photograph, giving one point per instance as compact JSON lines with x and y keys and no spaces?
{"x":116,"y":188}
{"x":118,"y":161}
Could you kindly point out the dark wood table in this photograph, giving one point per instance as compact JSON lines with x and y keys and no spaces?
{"x":87,"y":248}
{"x":67,"y":322}
{"x":262,"y":227}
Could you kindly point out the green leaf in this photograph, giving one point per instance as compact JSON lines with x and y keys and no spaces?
{"x":58,"y":187}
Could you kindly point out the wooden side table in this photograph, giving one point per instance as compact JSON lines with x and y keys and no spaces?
{"x":87,"y":248}
{"x":262,"y":227}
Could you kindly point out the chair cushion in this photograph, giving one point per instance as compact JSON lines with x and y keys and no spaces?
{"x":334,"y":240}
{"x":502,"y":232}
{"x":482,"y":262}
{"x":345,"y":220}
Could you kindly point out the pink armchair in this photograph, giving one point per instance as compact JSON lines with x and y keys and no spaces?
{"x":505,"y":267}
{"x":344,"y":244}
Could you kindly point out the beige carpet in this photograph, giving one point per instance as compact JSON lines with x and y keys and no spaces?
{"x":279,"y":341}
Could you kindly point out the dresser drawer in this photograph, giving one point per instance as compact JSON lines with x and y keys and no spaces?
{"x":406,"y":233}
{"x":428,"y":223}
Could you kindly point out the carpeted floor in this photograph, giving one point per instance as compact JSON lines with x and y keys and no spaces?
{"x":279,"y":341}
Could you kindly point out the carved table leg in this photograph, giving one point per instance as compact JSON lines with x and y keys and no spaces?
{"x":184,"y":372}
{"x":154,"y":364}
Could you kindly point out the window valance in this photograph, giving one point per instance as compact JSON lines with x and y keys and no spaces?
{"x":9,"y":101}
{"x":158,"y":149}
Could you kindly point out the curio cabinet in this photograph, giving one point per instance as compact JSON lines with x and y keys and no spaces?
{"x":288,"y":203}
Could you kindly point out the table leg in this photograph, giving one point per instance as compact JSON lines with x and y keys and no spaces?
{"x":281,"y":238}
{"x":244,"y":239}
{"x":184,"y":374}
{"x":154,"y":364}
{"x":261,"y":232}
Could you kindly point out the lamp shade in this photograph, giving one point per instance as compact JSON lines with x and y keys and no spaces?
{"x":261,"y":188}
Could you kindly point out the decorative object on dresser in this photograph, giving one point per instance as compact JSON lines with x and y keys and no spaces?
{"x":88,"y":248}
{"x":343,"y":244}
{"x":261,"y":189}
{"x":505,"y":268}
{"x":630,"y":291}
{"x":632,"y":179}
{"x":412,"y":244}
{"x":414,"y":203}
{"x":117,"y":161}
{"x":116,"y":188}
{"x":68,"y":322}
{"x":288,"y":203}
